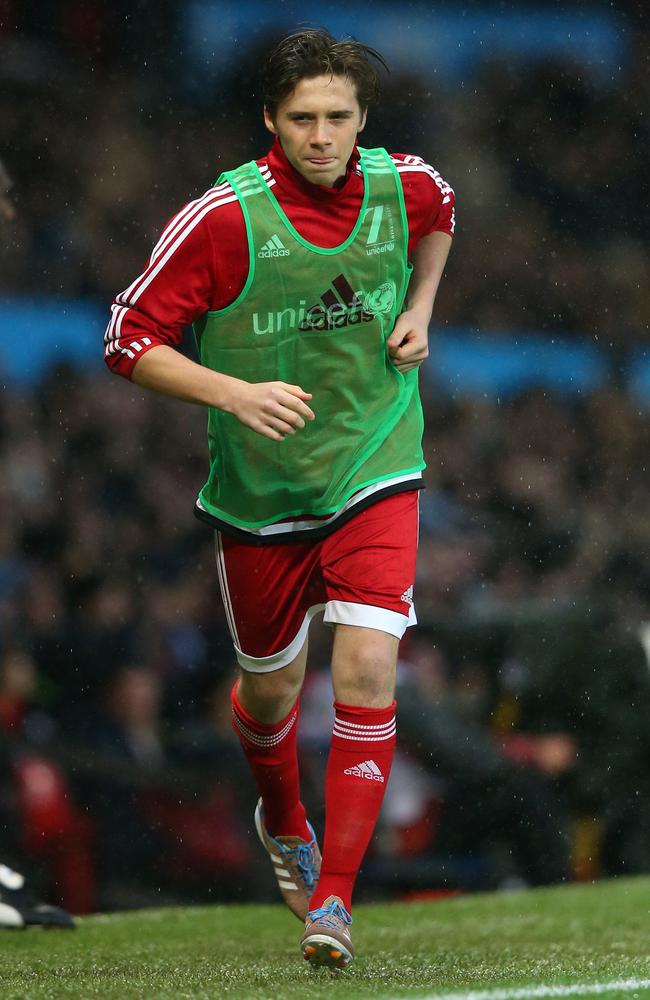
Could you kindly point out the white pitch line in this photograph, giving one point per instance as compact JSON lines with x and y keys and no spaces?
{"x":532,"y":992}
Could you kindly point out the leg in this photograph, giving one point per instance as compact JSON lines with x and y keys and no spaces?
{"x":270,"y":696}
{"x":265,"y":708}
{"x":265,"y":717}
{"x":268,"y":735}
{"x":363,"y":666}
{"x":361,"y":754}
{"x":369,"y":566}
{"x":270,"y":595}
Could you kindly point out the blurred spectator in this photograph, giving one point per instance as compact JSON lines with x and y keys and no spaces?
{"x":40,"y":818}
{"x":495,"y":802}
{"x":130,"y":727}
{"x":161,"y":826}
{"x":7,"y":210}
{"x":17,"y":684}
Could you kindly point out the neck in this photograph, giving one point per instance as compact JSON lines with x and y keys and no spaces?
{"x":314,"y":186}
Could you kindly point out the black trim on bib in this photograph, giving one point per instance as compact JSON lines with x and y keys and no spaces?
{"x":308,"y":534}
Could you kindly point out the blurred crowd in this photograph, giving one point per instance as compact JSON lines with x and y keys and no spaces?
{"x":106,"y":141}
{"x":524,"y":752}
{"x":524,"y":756}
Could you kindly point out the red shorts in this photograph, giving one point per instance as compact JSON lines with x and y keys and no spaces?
{"x":361,"y":574}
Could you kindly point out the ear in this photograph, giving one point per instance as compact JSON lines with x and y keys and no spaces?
{"x":268,"y":121}
{"x":364,"y":115}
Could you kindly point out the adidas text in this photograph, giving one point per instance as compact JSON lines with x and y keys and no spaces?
{"x":274,"y":253}
{"x":339,"y":306}
{"x":274,"y":248}
{"x":335,"y":316}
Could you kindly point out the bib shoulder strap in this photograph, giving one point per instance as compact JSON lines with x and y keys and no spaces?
{"x":245,"y":180}
{"x":376,"y":161}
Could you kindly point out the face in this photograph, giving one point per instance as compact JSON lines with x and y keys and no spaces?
{"x":318,"y":125}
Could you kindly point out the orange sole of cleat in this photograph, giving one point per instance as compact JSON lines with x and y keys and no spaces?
{"x":323,"y":955}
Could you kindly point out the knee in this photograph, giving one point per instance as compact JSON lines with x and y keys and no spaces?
{"x":274,"y":686}
{"x":365,"y":679}
{"x":268,"y":697}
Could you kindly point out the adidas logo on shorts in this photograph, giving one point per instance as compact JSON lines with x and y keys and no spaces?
{"x":407,"y":596}
{"x":368,"y":769}
{"x":274,"y":248}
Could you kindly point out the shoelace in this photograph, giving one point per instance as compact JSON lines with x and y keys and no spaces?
{"x":328,"y":915}
{"x":304,"y":855}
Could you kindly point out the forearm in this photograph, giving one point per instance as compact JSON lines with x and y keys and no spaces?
{"x":272,"y":409}
{"x":407,"y":344}
{"x":165,"y":370}
{"x":429,"y":261}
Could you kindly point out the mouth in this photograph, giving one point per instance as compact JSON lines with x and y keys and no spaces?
{"x":321,"y":161}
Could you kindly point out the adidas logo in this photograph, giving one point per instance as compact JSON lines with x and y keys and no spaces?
{"x":274,"y":248}
{"x":339,"y":306}
{"x":407,"y":596}
{"x":368,"y":769}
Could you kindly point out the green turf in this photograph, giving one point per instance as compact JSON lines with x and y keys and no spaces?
{"x":572,"y":934}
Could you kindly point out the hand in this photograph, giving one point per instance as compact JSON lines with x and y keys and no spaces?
{"x":273,"y":409}
{"x":408,"y":343}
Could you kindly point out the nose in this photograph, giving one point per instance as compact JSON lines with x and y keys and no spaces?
{"x":320,"y":135}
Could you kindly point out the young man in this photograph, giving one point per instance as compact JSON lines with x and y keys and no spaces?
{"x":294,"y":271}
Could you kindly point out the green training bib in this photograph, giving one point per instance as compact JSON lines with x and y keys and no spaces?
{"x":318,"y":318}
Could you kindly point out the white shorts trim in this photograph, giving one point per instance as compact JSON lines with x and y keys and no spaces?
{"x":223,"y":583}
{"x":265,"y":664}
{"x":367,"y":616}
{"x":336,"y":613}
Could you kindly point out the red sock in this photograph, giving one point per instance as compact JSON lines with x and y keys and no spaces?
{"x":272,"y":756}
{"x":358,"y":767}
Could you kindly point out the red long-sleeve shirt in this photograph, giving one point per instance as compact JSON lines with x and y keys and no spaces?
{"x":201,"y":260}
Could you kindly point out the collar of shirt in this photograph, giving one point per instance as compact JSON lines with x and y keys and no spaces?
{"x":290,"y":180}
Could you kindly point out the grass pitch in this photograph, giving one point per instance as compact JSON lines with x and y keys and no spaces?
{"x":550,"y":942}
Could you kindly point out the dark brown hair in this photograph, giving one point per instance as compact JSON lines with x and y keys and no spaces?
{"x":314,"y":52}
